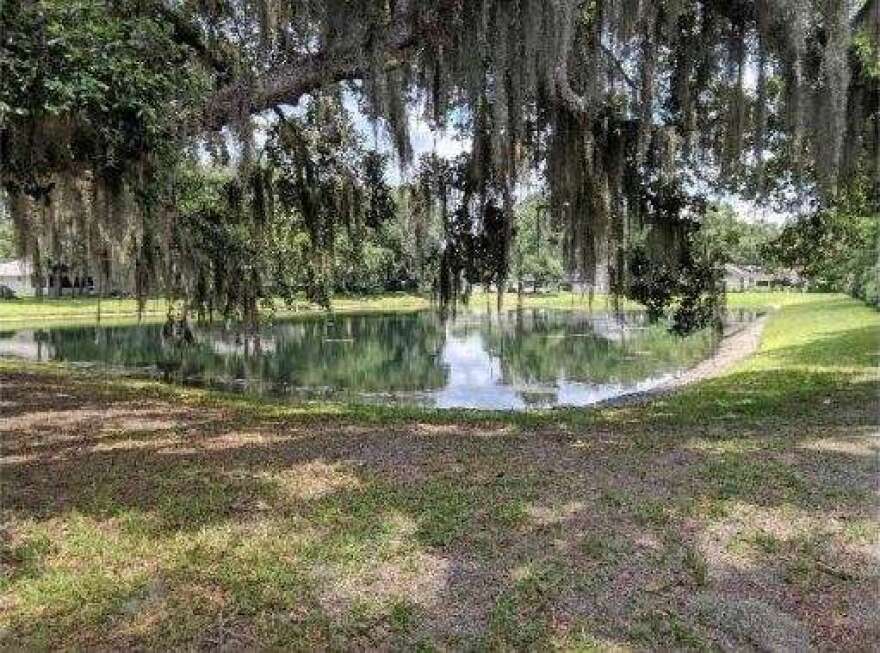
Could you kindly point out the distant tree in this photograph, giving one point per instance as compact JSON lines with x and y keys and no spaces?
{"x":419,"y":231}
{"x":537,"y":250}
{"x":734,"y":240}
{"x":7,"y":232}
{"x":329,"y":184}
{"x":837,"y":248}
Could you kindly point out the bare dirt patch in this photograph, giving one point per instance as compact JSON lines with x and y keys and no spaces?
{"x":195,"y":527}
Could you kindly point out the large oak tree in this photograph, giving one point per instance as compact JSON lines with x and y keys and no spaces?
{"x":631,"y":110}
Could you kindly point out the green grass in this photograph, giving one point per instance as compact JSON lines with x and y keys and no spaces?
{"x":59,"y":308}
{"x":139,"y":515}
{"x":30,"y":310}
{"x":69,"y":311}
{"x":85,"y":310}
{"x":73,"y":310}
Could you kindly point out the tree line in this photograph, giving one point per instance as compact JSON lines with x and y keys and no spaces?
{"x":633,"y":114}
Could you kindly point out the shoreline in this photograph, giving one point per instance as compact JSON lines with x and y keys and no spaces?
{"x":733,"y":348}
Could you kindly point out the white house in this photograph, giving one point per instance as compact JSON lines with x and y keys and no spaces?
{"x":746,"y":277}
{"x":17,"y":275}
{"x":751,"y":277}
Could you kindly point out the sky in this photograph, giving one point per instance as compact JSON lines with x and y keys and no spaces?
{"x":751,"y":212}
{"x":423,"y":139}
{"x":447,"y":145}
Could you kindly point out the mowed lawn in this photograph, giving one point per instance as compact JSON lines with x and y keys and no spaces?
{"x":740,"y":512}
{"x":30,"y":311}
{"x":27,"y":312}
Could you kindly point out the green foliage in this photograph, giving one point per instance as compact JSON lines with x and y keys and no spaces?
{"x":537,"y":247}
{"x":868,"y":52}
{"x":8,"y":248}
{"x":837,"y":248}
{"x":732,"y":240}
{"x":372,"y":261}
{"x":328,"y":184}
{"x":688,"y":286}
{"x":105,"y":97}
{"x":220,"y":250}
{"x":88,"y":82}
{"x":93,"y":100}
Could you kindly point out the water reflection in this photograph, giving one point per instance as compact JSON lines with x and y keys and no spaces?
{"x":512,"y":360}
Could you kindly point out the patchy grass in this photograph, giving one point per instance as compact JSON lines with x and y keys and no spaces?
{"x":69,"y":311}
{"x":738,"y":513}
{"x":75,"y":310}
{"x":85,"y":310}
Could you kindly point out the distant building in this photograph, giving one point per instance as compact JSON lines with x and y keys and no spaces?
{"x":789,"y":278}
{"x":753,"y":277}
{"x":18,"y":276}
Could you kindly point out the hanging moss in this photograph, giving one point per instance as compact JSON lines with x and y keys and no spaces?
{"x":618,"y":104}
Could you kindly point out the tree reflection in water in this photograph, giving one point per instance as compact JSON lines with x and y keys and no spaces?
{"x":509,"y":360}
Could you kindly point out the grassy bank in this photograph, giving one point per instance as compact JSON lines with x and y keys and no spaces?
{"x":87,"y":310}
{"x":27,"y":312}
{"x":739,"y":512}
{"x":32,"y":310}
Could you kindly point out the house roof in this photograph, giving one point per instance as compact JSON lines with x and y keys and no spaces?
{"x":747,"y":271}
{"x":17,"y":268}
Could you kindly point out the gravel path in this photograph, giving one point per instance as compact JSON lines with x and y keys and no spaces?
{"x":734,"y":347}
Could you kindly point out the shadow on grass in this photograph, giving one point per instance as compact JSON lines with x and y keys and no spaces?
{"x":222,"y":532}
{"x":132,"y":521}
{"x":780,"y":397}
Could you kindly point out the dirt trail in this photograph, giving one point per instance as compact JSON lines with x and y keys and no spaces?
{"x":734,"y":347}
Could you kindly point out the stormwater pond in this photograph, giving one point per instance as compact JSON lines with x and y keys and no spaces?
{"x":515,"y":359}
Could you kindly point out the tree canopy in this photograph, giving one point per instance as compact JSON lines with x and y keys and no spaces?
{"x":630,"y":110}
{"x":836,"y":248}
{"x":736,"y":240}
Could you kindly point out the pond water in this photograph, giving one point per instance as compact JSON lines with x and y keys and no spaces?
{"x":513,"y":360}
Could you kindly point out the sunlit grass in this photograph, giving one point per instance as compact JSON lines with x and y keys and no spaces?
{"x":86,"y":310}
{"x":141,"y":515}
